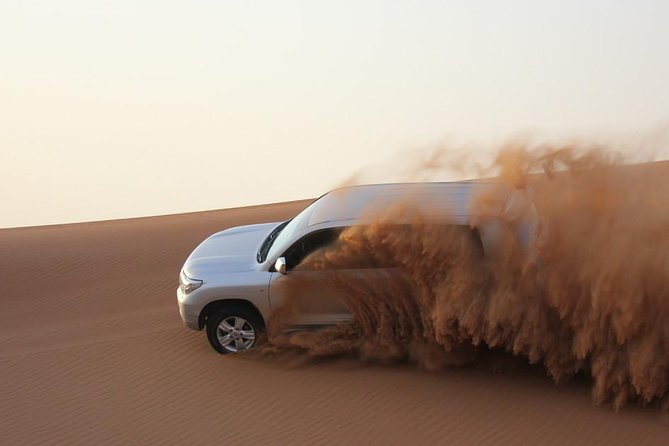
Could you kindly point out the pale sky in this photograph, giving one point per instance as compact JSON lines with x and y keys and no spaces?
{"x":127,"y":108}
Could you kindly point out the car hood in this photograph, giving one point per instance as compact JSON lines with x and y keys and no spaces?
{"x":232,"y":250}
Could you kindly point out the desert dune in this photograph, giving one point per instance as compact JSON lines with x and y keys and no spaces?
{"x":92,"y":351}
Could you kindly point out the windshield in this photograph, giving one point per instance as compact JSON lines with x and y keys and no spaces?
{"x":284,"y":233}
{"x":267,"y":243}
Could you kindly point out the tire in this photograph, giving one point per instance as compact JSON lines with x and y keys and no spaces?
{"x":233,"y":329}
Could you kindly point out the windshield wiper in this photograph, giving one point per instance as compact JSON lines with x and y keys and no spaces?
{"x":267,"y":244}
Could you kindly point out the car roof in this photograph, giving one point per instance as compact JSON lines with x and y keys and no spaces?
{"x":354,"y":203}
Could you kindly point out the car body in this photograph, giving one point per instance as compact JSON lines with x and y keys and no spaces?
{"x":231,"y":282}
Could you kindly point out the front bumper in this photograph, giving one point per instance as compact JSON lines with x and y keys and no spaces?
{"x":190,"y":314}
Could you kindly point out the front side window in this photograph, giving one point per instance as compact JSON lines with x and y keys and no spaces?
{"x":309,"y":244}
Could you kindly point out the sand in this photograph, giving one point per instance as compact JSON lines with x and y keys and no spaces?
{"x":92,"y":351}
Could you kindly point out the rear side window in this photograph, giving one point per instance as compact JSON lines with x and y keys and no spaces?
{"x":390,"y":246}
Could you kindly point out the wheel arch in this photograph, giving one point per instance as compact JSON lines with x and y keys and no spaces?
{"x":222,"y":303}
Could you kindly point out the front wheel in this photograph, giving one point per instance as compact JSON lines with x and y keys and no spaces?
{"x":233,"y":329}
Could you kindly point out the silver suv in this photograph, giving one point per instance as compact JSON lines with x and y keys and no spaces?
{"x":232,"y":280}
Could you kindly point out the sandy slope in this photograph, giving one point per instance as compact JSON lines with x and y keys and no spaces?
{"x":92,"y":350}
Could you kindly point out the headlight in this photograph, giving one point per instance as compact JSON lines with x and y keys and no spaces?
{"x":186,"y":284}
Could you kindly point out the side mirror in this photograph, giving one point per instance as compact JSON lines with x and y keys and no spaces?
{"x":280,"y":265}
